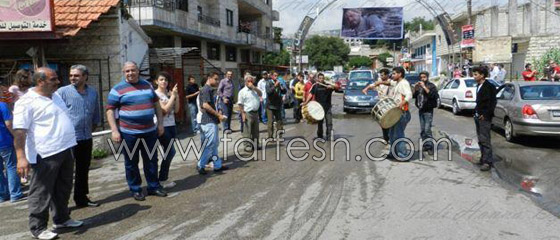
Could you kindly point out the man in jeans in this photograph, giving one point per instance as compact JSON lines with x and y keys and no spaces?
{"x":137,"y":102}
{"x":44,"y":138}
{"x":192,"y":93}
{"x":426,"y":95}
{"x":209,"y":126}
{"x":83,"y":105}
{"x":262,"y":87}
{"x":10,"y":187}
{"x":225,"y":92}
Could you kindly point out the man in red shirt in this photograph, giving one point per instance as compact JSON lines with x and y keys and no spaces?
{"x":308,"y":85}
{"x":529,"y":75}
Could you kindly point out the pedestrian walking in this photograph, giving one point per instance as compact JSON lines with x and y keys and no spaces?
{"x":249,"y":101}
{"x":82,"y":102}
{"x":209,"y":126}
{"x":402,"y":94}
{"x":298,"y":93}
{"x":383,"y":91}
{"x":484,"y":112}
{"x":10,"y":187}
{"x":169,"y":106}
{"x":192,"y":92}
{"x":262,"y":86}
{"x":502,"y":74}
{"x":44,"y":138}
{"x":226,"y":93}
{"x":426,"y":95}
{"x":529,"y":75}
{"x":274,"y":91}
{"x":136,"y":103}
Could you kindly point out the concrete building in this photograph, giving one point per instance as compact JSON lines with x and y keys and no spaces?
{"x":423,"y":53}
{"x":227,"y":34}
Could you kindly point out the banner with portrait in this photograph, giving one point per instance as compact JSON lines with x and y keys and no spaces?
{"x":372,"y":23}
{"x":26,"y":16}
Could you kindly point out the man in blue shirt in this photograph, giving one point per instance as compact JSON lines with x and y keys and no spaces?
{"x":9,"y":184}
{"x":83,"y":105}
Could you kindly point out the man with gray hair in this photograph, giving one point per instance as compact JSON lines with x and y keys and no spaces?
{"x":248,"y":100}
{"x":82,"y":102}
{"x":44,"y":138}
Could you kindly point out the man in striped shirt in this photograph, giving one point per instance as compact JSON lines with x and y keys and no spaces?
{"x":136,"y":103}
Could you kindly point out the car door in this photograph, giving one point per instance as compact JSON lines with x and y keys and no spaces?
{"x":445,"y":95}
{"x":454,"y":90}
{"x":504,"y":97}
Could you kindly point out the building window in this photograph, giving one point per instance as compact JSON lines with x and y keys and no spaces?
{"x":183,"y":5}
{"x":267,"y":2}
{"x":229,"y":17}
{"x":245,"y":54}
{"x":231,"y":54}
{"x":256,"y":58}
{"x":199,"y":10}
{"x":213,"y":50}
{"x":267,"y":33}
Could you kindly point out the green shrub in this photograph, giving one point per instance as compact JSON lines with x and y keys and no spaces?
{"x":541,"y":63}
{"x":99,"y":153}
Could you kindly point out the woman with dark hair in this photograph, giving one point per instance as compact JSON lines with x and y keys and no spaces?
{"x":22,"y":83}
{"x":169,"y":106}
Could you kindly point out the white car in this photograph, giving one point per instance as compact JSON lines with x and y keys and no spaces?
{"x":458,"y":94}
{"x":329,"y":74}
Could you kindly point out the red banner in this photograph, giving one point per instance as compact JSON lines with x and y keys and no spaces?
{"x":468,"y":36}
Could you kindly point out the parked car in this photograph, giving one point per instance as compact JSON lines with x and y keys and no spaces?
{"x":341,"y":80}
{"x":361,"y":74}
{"x":528,"y":108}
{"x":354,"y":98}
{"x":458,"y":94}
{"x":329,"y":74}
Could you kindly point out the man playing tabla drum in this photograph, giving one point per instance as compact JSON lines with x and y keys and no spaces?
{"x":383,"y":91}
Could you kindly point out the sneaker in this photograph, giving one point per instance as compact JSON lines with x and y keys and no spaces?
{"x":47,"y":234}
{"x":221,"y":169}
{"x":69,"y":224}
{"x":168,"y":184}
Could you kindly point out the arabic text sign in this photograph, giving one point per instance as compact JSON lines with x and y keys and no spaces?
{"x":25,"y":16}
{"x":468,"y":36}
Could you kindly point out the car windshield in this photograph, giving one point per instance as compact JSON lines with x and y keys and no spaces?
{"x":358,"y":84}
{"x":470,"y":83}
{"x":360,"y":74}
{"x":541,"y":92}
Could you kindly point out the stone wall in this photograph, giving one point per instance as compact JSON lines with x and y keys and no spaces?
{"x":539,"y":45}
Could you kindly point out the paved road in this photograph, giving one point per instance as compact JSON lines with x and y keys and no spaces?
{"x":310,"y":199}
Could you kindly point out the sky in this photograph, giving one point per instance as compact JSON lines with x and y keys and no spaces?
{"x":293,"y":11}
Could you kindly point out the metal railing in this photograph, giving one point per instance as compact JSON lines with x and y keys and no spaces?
{"x":169,"y":5}
{"x":209,"y":20}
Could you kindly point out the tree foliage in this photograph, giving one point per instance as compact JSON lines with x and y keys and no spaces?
{"x":383,"y":58}
{"x":356,"y":62}
{"x":326,"y":52}
{"x":281,"y":58}
{"x":541,"y":63}
{"x":414,"y":25}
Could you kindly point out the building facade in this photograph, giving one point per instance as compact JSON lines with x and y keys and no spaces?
{"x":423,"y":53}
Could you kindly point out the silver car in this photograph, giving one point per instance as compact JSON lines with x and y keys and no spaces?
{"x":528,"y":108}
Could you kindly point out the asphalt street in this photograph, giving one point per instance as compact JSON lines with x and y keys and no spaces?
{"x":309,"y":199}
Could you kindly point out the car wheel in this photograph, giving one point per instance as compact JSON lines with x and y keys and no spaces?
{"x":345,"y":110}
{"x":456,"y":109}
{"x":509,"y":132}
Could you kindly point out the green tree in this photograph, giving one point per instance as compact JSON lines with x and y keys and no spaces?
{"x":541,"y":63}
{"x":277,"y":34}
{"x":414,"y":25}
{"x":281,"y":58}
{"x":326,"y":52}
{"x":383,"y":58}
{"x":356,"y":62}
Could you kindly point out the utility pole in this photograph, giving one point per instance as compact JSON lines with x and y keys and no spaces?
{"x":469,"y":11}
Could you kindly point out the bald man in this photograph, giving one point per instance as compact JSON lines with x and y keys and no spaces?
{"x":44,"y":138}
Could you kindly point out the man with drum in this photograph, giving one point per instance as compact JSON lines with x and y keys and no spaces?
{"x":402,"y":94}
{"x":322,"y":93}
{"x":383,"y":92}
{"x":426,"y":95}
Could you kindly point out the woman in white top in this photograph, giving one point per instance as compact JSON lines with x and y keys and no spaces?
{"x":169,"y":106}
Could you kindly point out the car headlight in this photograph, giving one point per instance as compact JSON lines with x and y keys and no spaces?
{"x":350,"y":98}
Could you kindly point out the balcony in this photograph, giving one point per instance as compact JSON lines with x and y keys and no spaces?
{"x":209,"y":20}
{"x":168,"y":5}
{"x":254,"y":7}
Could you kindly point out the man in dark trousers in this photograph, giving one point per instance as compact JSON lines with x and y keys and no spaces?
{"x":426,"y":95}
{"x":323,"y":95}
{"x":274,"y":92}
{"x":484,"y":111}
{"x":226,"y":93}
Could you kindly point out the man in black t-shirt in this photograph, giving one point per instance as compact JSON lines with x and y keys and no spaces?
{"x":191,"y":93}
{"x":322,"y":93}
{"x":209,"y":125}
{"x":274,"y":92}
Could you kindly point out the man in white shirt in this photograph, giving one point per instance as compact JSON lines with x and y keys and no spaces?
{"x":402,"y":94}
{"x":262,"y":86}
{"x":494,"y":74}
{"x":502,"y":74}
{"x":248,"y":101}
{"x":44,"y":137}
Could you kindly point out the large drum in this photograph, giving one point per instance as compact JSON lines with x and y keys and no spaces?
{"x":386,"y":112}
{"x":313,"y":112}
